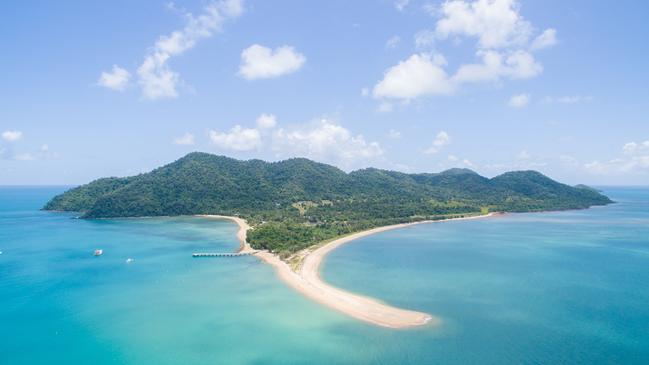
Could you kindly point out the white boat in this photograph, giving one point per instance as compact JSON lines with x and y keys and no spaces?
{"x":99,"y":252}
{"x":129,"y":260}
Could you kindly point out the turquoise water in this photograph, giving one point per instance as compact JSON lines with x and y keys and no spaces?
{"x":547,"y":288}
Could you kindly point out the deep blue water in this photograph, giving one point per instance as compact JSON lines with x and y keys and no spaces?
{"x":547,"y":288}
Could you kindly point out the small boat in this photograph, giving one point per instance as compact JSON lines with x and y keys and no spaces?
{"x":99,"y":252}
{"x":129,"y":260}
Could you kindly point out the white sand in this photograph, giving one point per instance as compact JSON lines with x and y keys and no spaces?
{"x":308,"y":282}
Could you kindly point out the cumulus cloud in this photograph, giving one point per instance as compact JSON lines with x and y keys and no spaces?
{"x":259,"y":62}
{"x":325,"y":140}
{"x":12,"y":136}
{"x":632,"y":148}
{"x":496,"y":23}
{"x":421,"y":74}
{"x":117,"y":79}
{"x":544,"y":40}
{"x":519,"y":100}
{"x":237,"y":139}
{"x":266,"y":121}
{"x":186,"y":139}
{"x":155,"y":78}
{"x":495,"y":65}
{"x":635,"y":160}
{"x":504,"y":49}
{"x":442,"y":139}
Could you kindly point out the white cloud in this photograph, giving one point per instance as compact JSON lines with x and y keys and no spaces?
{"x":237,"y":139}
{"x":117,"y":79}
{"x":155,"y":77}
{"x":519,"y":100}
{"x":401,"y":4}
{"x":496,"y":23}
{"x":394,"y":134}
{"x":630,"y":148}
{"x":423,"y":74}
{"x":569,"y":99}
{"x":266,"y":121}
{"x":392,"y":42}
{"x":515,"y":65}
{"x":45,"y":148}
{"x":441,"y":140}
{"x":545,"y":40}
{"x":322,"y":140}
{"x":385,"y":107}
{"x":635,"y":161}
{"x":633,"y":148}
{"x":503,"y":46}
{"x":419,"y":75}
{"x":424,"y":38}
{"x":325,"y":141}
{"x":365,"y":91}
{"x":521,"y":65}
{"x":259,"y":62}
{"x":12,"y":136}
{"x":186,"y":139}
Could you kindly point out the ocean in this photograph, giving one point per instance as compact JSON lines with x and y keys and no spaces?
{"x":541,"y":288}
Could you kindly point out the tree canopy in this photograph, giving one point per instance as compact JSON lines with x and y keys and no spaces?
{"x":295,"y":203}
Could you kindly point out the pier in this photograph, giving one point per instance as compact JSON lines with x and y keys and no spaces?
{"x":223,"y":254}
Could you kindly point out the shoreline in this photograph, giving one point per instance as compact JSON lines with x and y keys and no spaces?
{"x":241,"y":233}
{"x":307,"y":281}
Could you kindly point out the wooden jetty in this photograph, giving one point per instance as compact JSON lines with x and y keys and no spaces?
{"x":223,"y":254}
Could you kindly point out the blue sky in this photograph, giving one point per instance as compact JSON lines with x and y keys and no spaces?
{"x":93,"y":89}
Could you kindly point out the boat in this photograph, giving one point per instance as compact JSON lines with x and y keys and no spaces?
{"x":129,"y":260}
{"x":99,"y":252}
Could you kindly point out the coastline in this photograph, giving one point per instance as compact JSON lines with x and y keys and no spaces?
{"x":307,"y":279}
{"x":241,"y":233}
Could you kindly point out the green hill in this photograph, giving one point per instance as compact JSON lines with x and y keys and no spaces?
{"x":297,"y":202}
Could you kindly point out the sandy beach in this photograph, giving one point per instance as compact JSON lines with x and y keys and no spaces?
{"x":306,"y":280}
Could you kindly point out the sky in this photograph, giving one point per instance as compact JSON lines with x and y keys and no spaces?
{"x":117,"y":88}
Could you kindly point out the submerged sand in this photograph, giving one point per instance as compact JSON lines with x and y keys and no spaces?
{"x":306,"y":280}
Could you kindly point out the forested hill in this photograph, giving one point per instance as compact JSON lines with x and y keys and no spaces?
{"x":303,"y":195}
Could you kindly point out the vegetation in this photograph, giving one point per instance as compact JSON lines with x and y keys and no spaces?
{"x":296,"y":203}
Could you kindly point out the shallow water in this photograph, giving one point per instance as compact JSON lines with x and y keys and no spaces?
{"x":551,"y":288}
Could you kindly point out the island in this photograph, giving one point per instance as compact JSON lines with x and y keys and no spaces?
{"x":292,"y":213}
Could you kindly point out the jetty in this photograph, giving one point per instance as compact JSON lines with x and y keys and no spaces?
{"x":223,"y":254}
